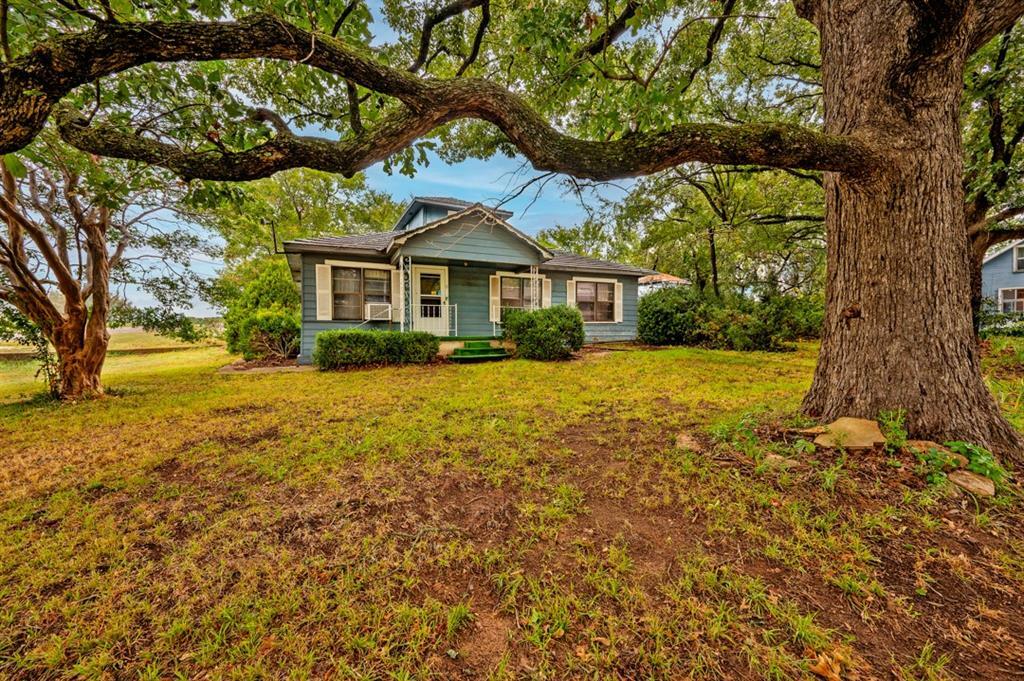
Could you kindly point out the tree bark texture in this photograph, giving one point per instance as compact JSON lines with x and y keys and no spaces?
{"x":898,"y":332}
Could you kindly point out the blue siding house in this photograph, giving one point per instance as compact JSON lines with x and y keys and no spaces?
{"x":453,"y":269}
{"x":1002,"y":278}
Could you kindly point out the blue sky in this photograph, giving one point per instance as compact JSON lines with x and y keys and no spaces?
{"x":489,"y":182}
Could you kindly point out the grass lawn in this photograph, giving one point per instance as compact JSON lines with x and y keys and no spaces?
{"x":509,"y":520}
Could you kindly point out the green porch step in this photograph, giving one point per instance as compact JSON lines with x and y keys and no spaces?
{"x":467,"y":352}
{"x":498,"y":354}
{"x":478,"y":351}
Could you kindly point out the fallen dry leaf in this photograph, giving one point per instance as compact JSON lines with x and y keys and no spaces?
{"x":828,"y":666}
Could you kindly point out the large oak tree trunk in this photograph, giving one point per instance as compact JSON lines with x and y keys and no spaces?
{"x":898,"y":331}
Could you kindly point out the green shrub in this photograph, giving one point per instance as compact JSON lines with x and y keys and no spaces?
{"x":670,"y":316}
{"x":683,"y":316}
{"x":994,"y":322}
{"x":272,"y":333}
{"x":550,"y":333}
{"x":273,"y":289}
{"x":357,"y":347}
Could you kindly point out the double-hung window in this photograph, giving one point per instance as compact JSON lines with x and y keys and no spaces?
{"x":596,"y":300}
{"x":521,"y":292}
{"x":1018,"y":258}
{"x":1011,"y":300}
{"x":353,"y":287}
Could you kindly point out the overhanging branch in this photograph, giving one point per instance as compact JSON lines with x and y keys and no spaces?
{"x":31,"y":85}
{"x":776,"y":144}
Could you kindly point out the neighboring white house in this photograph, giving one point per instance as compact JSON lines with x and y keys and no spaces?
{"x":1002,"y":278}
{"x":653,"y":282}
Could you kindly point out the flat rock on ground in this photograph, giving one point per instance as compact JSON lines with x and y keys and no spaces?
{"x":977,"y":485}
{"x":781,"y":462}
{"x":851,"y":433}
{"x":925,"y":446}
{"x":689,"y":442}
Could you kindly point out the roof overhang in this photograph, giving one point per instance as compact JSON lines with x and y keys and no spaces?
{"x":596,"y":271}
{"x":995,"y":255}
{"x":293,"y":247}
{"x":486,"y":213}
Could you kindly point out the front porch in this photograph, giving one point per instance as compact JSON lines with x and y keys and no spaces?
{"x":464,"y":300}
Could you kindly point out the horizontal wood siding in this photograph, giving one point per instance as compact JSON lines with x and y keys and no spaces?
{"x":469,"y":291}
{"x":998,"y":273}
{"x":468,"y":241}
{"x":603,"y":331}
{"x":310,"y":325}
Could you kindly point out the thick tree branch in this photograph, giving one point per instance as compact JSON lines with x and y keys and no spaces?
{"x":985,"y":225}
{"x":991,"y":18}
{"x":611,"y":33}
{"x":5,"y":46}
{"x":66,"y":281}
{"x":474,"y":52}
{"x":342,"y":17}
{"x":354,"y":118}
{"x":32,"y":84}
{"x":709,"y":49}
{"x":445,"y":13}
{"x":775,"y":145}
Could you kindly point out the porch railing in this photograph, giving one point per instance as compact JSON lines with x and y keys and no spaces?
{"x":440,"y":320}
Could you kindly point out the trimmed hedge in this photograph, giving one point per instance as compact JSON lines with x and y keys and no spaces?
{"x":682,"y":316}
{"x":550,"y":333}
{"x":357,"y":347}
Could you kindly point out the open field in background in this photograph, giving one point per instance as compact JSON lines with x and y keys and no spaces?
{"x":121,"y":340}
{"x":490,"y":521}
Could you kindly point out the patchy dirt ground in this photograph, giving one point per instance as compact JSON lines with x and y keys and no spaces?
{"x":521,"y":520}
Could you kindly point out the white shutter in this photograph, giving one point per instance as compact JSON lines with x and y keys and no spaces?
{"x":397,"y":296}
{"x":495,"y":305}
{"x":545,"y":298}
{"x":570,"y":293}
{"x":324,"y":302}
{"x":618,"y":302}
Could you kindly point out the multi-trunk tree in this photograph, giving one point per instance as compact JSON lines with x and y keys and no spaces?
{"x":557,"y":83}
{"x":75,"y":229}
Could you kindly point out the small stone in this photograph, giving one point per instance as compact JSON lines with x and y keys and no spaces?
{"x":780,"y":462}
{"x":851,"y":434}
{"x":689,"y":442}
{"x":452,"y":653}
{"x":925,"y":446}
{"x":977,"y":485}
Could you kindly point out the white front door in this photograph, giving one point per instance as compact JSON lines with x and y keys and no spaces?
{"x":430,"y":299}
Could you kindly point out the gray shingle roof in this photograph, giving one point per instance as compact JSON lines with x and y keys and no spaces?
{"x":374,"y":241}
{"x":571,"y":262}
{"x":460,"y":202}
{"x":378,"y":242}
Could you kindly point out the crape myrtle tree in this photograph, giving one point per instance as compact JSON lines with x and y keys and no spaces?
{"x":75,"y":231}
{"x":593,"y":90}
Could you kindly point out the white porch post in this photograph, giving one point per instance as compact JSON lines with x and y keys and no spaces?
{"x":407,"y":301}
{"x":534,"y":288}
{"x":401,"y":282}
